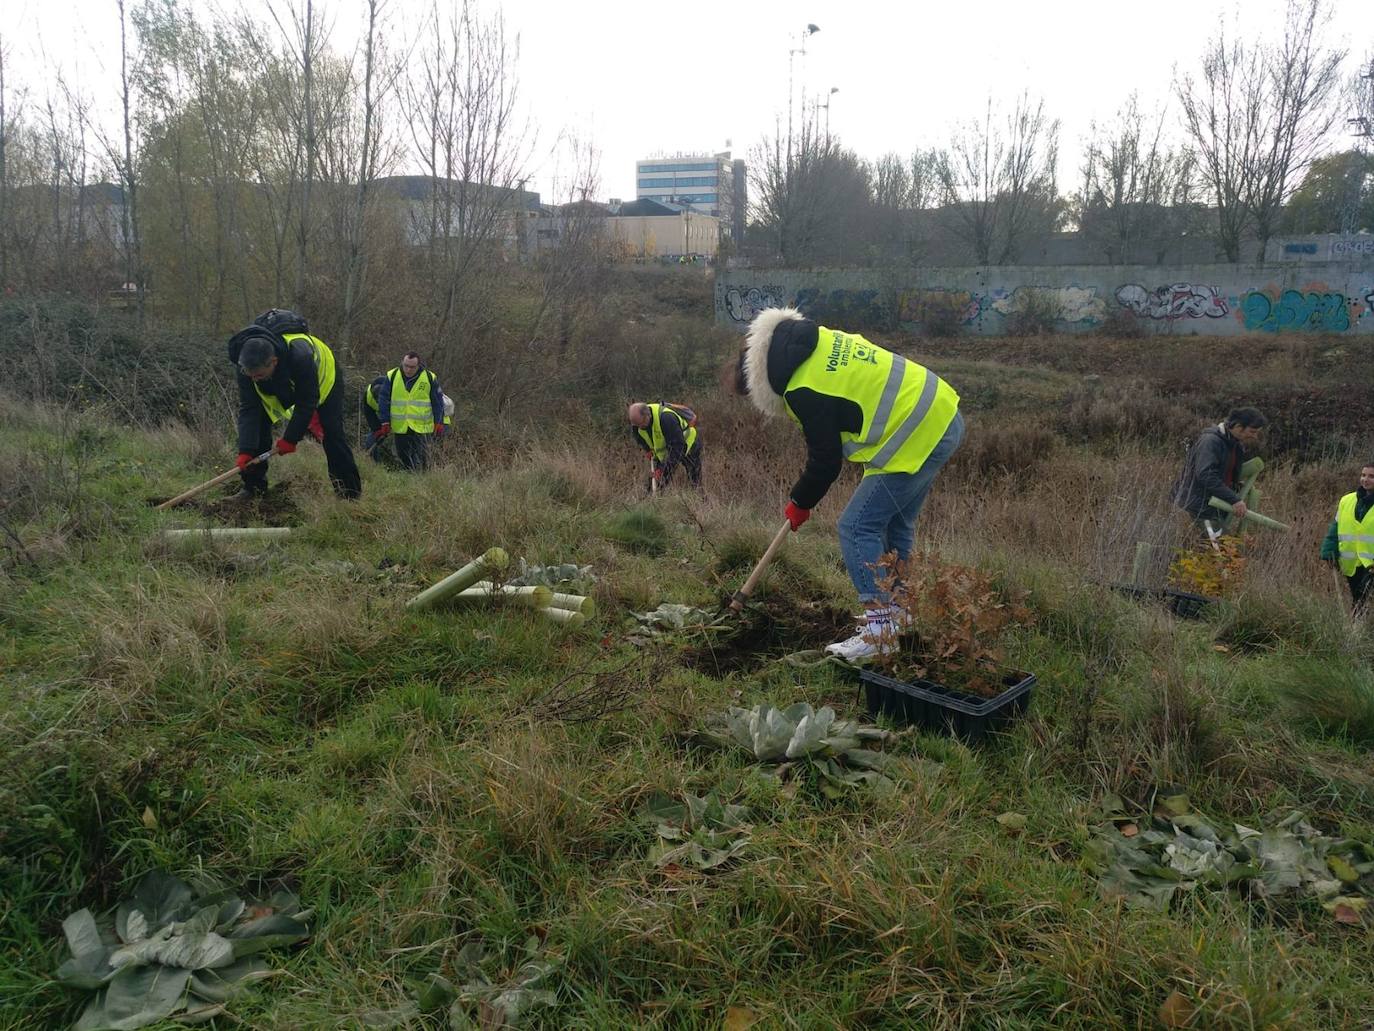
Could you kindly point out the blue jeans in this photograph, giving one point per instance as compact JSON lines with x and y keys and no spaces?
{"x":881,"y":516}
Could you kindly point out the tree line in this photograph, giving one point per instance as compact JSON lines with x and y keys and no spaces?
{"x":251,"y":158}
{"x":1239,"y":155}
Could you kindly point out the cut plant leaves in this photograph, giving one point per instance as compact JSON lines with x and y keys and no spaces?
{"x":169,"y":950}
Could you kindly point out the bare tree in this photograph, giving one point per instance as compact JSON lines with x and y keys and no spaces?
{"x":306,"y":40}
{"x":1136,"y":196}
{"x":1302,"y":83}
{"x":1257,"y":118}
{"x":813,"y":197}
{"x":6,"y":129}
{"x":1223,"y":116}
{"x":460,"y":103}
{"x":997,"y":181}
{"x":133,"y":238}
{"x":375,"y":89}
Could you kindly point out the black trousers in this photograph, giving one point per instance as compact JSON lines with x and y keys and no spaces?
{"x":691,"y":461}
{"x":1360,"y":581}
{"x":338,"y":455}
{"x":413,"y":450}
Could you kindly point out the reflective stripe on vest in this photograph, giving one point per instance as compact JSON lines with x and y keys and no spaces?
{"x":652,"y":435}
{"x":906,"y":407}
{"x":1356,"y":536}
{"x":324,"y":368}
{"x":411,"y":411}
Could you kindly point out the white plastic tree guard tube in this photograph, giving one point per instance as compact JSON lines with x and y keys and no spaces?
{"x":536,"y":597}
{"x":565,"y":617}
{"x":574,"y":603}
{"x":492,"y":560}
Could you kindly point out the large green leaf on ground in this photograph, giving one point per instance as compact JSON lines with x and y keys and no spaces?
{"x":158,"y":900}
{"x":136,"y":997}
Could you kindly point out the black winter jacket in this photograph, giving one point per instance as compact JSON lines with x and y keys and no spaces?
{"x":1212,"y":468}
{"x":822,"y":417}
{"x":295,"y":381}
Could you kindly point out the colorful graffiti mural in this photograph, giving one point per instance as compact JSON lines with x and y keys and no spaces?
{"x":936,"y":304}
{"x":1074,"y":303}
{"x":1173,"y":301}
{"x":1318,"y":311}
{"x":743,"y":303}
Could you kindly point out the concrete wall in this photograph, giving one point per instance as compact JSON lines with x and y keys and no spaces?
{"x":1211,"y":300}
{"x":1321,"y":248}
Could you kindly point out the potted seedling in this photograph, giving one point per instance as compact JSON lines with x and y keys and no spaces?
{"x":945,"y":668}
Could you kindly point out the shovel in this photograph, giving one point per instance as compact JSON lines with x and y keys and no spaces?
{"x":171,"y":503}
{"x":742,"y":595}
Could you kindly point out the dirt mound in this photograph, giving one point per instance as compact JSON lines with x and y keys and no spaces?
{"x":768,"y":630}
{"x":275,"y":507}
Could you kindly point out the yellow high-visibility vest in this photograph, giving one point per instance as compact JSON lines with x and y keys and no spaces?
{"x":324,"y":368}
{"x":411,"y":411}
{"x":1356,"y":536}
{"x":906,"y":407}
{"x":652,"y":435}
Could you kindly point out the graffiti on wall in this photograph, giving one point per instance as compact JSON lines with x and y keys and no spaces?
{"x":1173,"y":301}
{"x":1072,"y":303}
{"x":1313,"y":310}
{"x":853,"y":309}
{"x":743,"y":303}
{"x":938,"y":304}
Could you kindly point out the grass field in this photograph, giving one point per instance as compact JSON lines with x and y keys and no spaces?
{"x":273,"y":716}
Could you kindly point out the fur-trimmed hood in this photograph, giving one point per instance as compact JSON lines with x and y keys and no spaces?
{"x":778,"y":341}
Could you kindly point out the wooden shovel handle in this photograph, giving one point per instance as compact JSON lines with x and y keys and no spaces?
{"x":173,"y":502}
{"x":742,"y":595}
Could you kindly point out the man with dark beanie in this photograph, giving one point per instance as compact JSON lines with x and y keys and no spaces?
{"x":284,"y":373}
{"x":1212,"y":468}
{"x":1349,"y":540}
{"x":854,"y":400}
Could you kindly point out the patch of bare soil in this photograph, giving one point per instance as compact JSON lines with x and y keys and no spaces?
{"x":275,"y":507}
{"x":769,"y":629}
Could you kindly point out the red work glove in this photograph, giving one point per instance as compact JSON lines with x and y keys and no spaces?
{"x":796,"y":516}
{"x":316,"y":427}
{"x":658,"y":473}
{"x":438,"y":429}
{"x":244,"y":460}
{"x":383,"y":430}
{"x":284,"y":447}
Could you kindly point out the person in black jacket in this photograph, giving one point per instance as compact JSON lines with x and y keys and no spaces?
{"x":282,"y":377}
{"x":1212,"y":468}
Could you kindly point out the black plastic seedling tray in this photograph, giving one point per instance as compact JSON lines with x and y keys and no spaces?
{"x":935,"y":707}
{"x":1180,"y":603}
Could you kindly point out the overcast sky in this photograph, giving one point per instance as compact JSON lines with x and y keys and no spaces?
{"x":640,"y":79}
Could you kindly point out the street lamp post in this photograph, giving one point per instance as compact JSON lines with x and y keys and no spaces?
{"x":810,"y":30}
{"x":826,"y":105}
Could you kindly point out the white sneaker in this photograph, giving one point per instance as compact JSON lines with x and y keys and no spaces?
{"x":873,"y":641}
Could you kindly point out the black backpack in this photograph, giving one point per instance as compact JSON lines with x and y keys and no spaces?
{"x":282,"y":321}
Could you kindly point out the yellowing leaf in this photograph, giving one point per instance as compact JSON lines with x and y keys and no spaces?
{"x":1343,"y":869}
{"x":1129,"y":830}
{"x":1012,"y":823}
{"x":1176,"y":1011}
{"x":737,"y":1018}
{"x":149,"y":818}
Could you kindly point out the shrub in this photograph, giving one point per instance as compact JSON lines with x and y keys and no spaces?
{"x":1036,"y":316}
{"x":1334,"y":697}
{"x":639,"y":530}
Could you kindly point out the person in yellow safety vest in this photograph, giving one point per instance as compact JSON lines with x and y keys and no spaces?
{"x":410,"y":406}
{"x":1350,"y":538}
{"x":857,"y":401}
{"x":668,"y":434}
{"x":284,"y":373}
